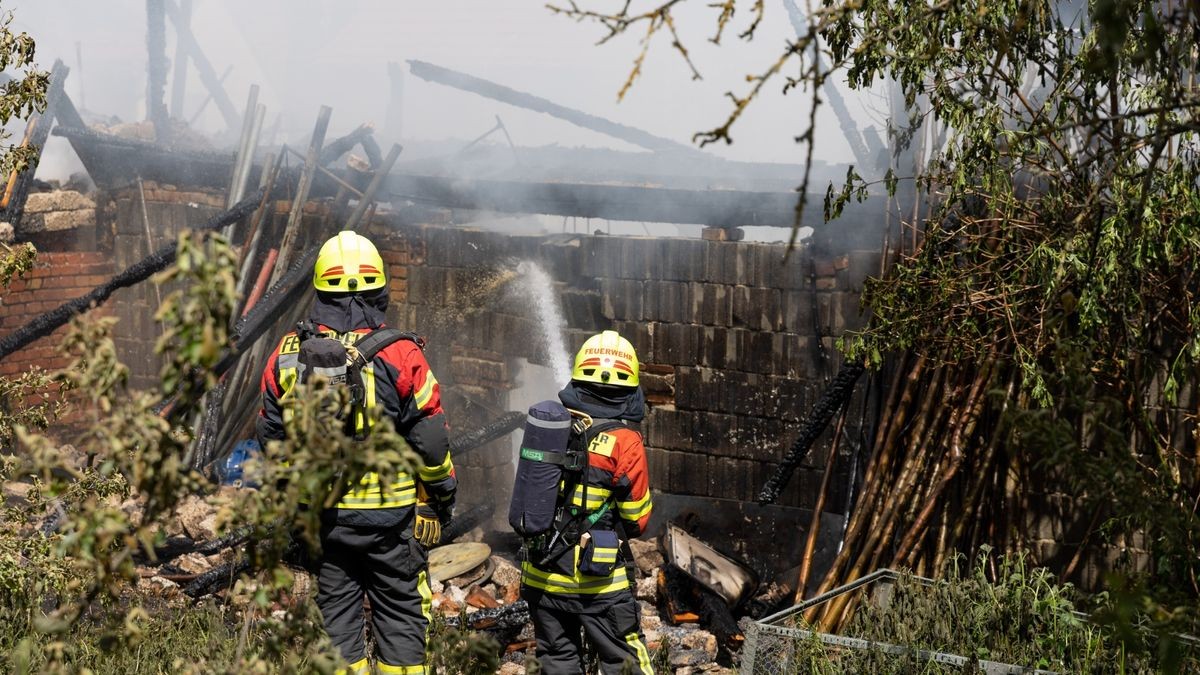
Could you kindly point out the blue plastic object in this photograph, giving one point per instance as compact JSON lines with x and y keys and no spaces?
{"x":233,"y":470}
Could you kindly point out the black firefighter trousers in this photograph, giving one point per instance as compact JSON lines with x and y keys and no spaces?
{"x":613,"y":630}
{"x":390,"y":568}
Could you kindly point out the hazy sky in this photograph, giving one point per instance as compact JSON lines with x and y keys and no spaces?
{"x":305,"y":53}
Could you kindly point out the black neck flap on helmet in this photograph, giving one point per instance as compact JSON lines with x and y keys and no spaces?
{"x":344,"y":312}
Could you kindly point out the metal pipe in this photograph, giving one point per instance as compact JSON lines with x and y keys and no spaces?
{"x":369,"y":194}
{"x":260,"y":284}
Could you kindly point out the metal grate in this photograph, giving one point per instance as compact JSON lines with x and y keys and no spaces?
{"x":780,"y":644}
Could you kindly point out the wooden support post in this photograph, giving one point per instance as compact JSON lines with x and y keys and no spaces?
{"x":156,"y":69}
{"x":179,"y":79}
{"x":207,"y":74}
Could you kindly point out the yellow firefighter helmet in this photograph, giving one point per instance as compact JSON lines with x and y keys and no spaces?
{"x":347,"y":263}
{"x":606,"y":358}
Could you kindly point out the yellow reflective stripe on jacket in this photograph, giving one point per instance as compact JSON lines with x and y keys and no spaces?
{"x":369,"y":493}
{"x":442,"y":471}
{"x":577,"y":584}
{"x":636,"y":509}
{"x":424,"y":393}
{"x":595,"y":496}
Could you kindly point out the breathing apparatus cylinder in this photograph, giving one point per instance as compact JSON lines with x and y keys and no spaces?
{"x":540,"y":468}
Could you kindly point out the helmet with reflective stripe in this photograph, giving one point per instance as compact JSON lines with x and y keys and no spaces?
{"x":606,"y":358}
{"x":347,"y":263}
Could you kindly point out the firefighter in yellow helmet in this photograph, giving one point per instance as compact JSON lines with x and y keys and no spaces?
{"x":372,"y":539}
{"x":587,"y":593}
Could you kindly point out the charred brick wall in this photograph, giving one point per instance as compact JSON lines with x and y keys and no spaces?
{"x":138,"y":221}
{"x":736,"y":343}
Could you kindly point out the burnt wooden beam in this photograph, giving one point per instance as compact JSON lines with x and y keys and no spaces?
{"x":156,"y":68}
{"x":37,"y":131}
{"x":110,"y":160}
{"x":499,"y":92}
{"x":179,"y":79}
{"x":208,"y":75}
{"x":716,"y":208}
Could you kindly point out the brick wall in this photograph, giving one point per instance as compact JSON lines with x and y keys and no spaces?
{"x":57,"y":276}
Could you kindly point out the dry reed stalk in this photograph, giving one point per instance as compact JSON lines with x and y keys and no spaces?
{"x":815,"y":525}
{"x":873,"y":488}
{"x":964,"y":426}
{"x":878,"y":535}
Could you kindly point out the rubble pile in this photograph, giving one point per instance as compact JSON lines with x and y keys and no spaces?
{"x":468,"y":579}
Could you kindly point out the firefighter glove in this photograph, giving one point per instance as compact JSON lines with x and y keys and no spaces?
{"x":427,"y":527}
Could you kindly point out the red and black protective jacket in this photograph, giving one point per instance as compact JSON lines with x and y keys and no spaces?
{"x":401,"y":387}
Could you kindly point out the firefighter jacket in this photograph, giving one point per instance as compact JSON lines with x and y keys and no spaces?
{"x":399,"y":383}
{"x":617,"y":475}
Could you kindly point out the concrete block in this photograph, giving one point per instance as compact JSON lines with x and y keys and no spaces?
{"x":795,"y":358}
{"x":757,"y":308}
{"x":601,"y":256}
{"x":714,"y":433}
{"x":689,"y":473}
{"x":712,"y":304}
{"x":638,"y":258}
{"x":57,"y":221}
{"x":666,"y":301}
{"x":684,"y":260}
{"x":621,"y":299}
{"x":720,"y":262}
{"x":677,"y":343}
{"x":671,"y":429}
{"x":699,"y":389}
{"x":760,"y":438}
{"x":798,"y":311}
{"x":658,"y":464}
{"x":59,"y":200}
{"x":715,"y":350}
{"x":582,"y":309}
